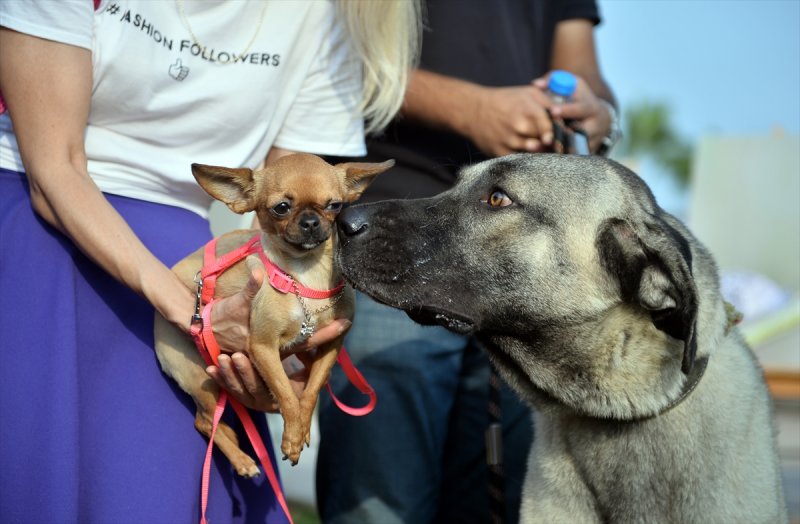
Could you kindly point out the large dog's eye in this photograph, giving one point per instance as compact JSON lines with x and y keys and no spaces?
{"x":334,"y":207}
{"x":497,"y":198}
{"x":282,"y":208}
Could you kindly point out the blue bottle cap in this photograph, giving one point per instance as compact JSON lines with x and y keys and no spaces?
{"x":562,"y":83}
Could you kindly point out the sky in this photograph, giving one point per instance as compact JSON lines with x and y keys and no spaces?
{"x":728,"y":67}
{"x":724,"y":67}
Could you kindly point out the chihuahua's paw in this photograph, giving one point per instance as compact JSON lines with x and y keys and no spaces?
{"x":247,"y":468}
{"x":294,"y":461}
{"x":291,"y":452}
{"x":294,"y":458}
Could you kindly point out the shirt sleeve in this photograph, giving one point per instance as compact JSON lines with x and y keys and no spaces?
{"x":571,"y":9}
{"x":65,"y":21}
{"x":325,"y":117}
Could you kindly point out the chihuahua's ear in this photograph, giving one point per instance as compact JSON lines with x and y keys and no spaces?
{"x":233,"y":186}
{"x":359,"y":175}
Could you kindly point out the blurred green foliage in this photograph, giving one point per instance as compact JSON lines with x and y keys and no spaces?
{"x":648,"y":131}
{"x":302,"y":514}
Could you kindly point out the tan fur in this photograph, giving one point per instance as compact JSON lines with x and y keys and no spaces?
{"x":309,"y":185}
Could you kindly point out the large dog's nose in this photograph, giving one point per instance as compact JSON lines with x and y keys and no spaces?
{"x":353,"y":221}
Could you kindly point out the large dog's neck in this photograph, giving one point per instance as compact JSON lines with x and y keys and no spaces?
{"x":629,"y":370}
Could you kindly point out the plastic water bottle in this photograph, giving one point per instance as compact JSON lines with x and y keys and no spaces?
{"x":561,"y":86}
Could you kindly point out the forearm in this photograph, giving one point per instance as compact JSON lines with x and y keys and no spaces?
{"x":441,"y":102}
{"x":601,"y":90}
{"x":103,"y":235}
{"x":275,"y":153}
{"x":47,"y":87}
{"x":574,"y":50}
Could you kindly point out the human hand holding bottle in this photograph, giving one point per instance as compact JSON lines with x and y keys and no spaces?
{"x":587,"y":112}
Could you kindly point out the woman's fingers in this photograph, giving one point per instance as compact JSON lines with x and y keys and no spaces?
{"x":250,"y":379}
{"x":237,"y":375}
{"x":325,"y":334}
{"x":230,"y":316}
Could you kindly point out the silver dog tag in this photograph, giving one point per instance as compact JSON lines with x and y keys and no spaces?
{"x":307,"y":329}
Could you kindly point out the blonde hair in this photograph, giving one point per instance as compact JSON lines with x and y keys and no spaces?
{"x":386,"y":34}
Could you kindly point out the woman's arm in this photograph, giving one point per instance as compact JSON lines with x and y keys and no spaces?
{"x":47,"y":87}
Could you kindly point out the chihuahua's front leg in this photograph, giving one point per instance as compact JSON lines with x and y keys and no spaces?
{"x":267,"y":360}
{"x":319,"y":370}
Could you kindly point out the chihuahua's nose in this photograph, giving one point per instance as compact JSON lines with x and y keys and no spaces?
{"x":353,"y":221}
{"x":309,"y":223}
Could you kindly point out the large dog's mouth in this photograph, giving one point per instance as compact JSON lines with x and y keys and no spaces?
{"x":421,"y":314}
{"x":415,"y":308}
{"x":433,"y":316}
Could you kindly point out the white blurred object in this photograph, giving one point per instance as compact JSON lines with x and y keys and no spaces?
{"x":753,"y":294}
{"x":224,"y":220}
{"x":744,"y":204}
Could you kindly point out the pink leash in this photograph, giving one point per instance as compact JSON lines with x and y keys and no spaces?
{"x":357,"y":379}
{"x":209,"y":349}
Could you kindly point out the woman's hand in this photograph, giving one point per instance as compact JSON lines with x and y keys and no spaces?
{"x":230,"y":317}
{"x":237,"y":375}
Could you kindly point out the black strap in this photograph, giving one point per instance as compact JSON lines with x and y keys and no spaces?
{"x":494,"y":452}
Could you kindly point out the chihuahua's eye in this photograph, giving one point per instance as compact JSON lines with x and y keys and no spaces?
{"x":334,"y":207}
{"x":497,"y":198}
{"x":282,"y":208}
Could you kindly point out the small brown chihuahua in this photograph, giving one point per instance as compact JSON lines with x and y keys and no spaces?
{"x":296,"y":200}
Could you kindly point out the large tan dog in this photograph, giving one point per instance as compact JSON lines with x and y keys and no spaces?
{"x":296,"y":200}
{"x":604,"y":313}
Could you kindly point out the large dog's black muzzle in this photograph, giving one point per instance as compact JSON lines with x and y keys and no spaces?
{"x":353,"y":221}
{"x":390,"y":249}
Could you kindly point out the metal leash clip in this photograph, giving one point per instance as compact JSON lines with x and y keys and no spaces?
{"x":494,"y":444}
{"x":197,"y":317}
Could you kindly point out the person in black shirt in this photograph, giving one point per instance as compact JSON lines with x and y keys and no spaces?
{"x":478,"y":93}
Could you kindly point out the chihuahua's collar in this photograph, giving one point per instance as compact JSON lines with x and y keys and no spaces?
{"x":214,"y":266}
{"x":283,"y":282}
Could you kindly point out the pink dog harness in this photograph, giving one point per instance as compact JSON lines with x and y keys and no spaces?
{"x":209,"y":349}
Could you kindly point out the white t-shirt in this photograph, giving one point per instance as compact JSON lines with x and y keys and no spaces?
{"x":160,"y":102}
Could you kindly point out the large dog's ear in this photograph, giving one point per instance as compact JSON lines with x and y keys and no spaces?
{"x":653,"y":267}
{"x":359,"y":175}
{"x":233,"y":186}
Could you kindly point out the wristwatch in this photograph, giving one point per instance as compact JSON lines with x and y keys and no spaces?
{"x":614,"y":130}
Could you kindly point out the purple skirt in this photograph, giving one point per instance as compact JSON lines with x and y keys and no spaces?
{"x":91,"y":430}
